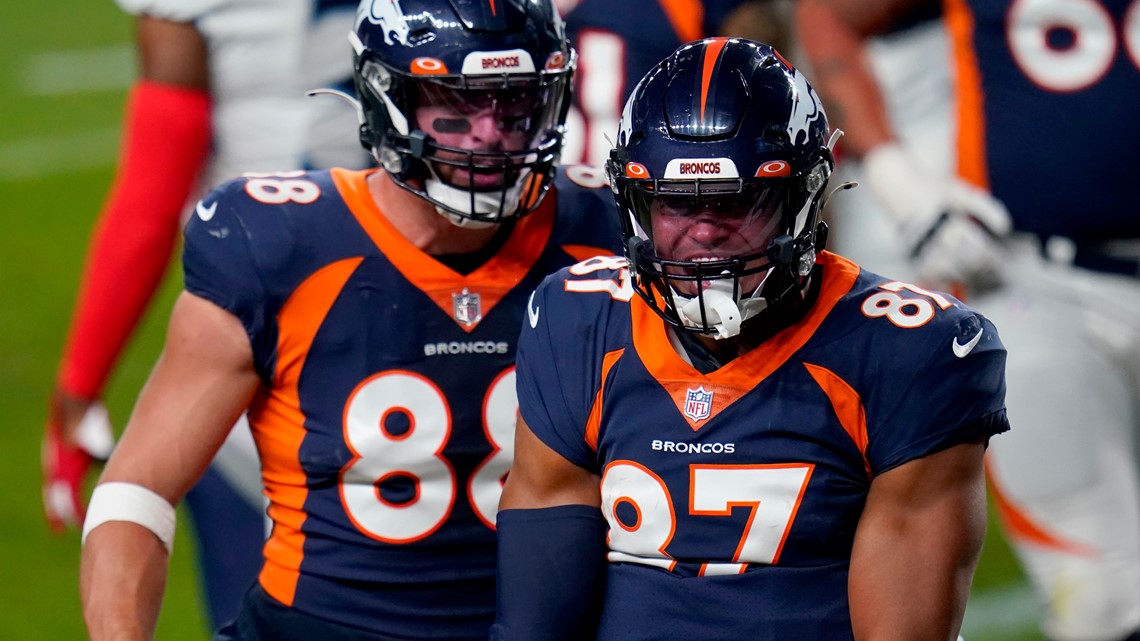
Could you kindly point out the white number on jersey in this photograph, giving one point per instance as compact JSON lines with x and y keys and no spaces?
{"x":418,"y":454}
{"x":907,"y":313}
{"x":619,"y":287}
{"x":772,"y":493}
{"x":1093,"y":36}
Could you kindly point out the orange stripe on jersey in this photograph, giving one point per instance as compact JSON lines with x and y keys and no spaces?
{"x":1021,"y":526}
{"x":594,"y":419}
{"x":493,"y":280}
{"x":743,"y":373}
{"x":847,"y":405}
{"x":582,"y":252}
{"x":686,"y":16}
{"x":278,"y":426}
{"x":712,"y":54}
{"x":971,"y":133}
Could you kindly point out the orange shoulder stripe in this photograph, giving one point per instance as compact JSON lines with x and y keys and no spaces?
{"x":847,"y":405}
{"x":278,"y":426}
{"x":594,"y":419}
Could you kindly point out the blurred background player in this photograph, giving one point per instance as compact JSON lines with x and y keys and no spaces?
{"x":220,"y":92}
{"x":1040,"y":89}
{"x":367,"y":320}
{"x":753,"y":429}
{"x":618,"y":42}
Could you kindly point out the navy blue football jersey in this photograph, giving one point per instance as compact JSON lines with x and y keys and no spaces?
{"x":385,"y":421}
{"x":1047,"y":94}
{"x":733,"y":497}
{"x":617,"y":44}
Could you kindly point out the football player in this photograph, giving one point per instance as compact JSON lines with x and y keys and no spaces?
{"x":366,"y":322}
{"x":221,"y":91}
{"x":753,"y":429}
{"x":1067,"y":290}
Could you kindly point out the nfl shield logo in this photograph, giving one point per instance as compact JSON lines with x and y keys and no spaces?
{"x":468,"y":310}
{"x":698,"y":404}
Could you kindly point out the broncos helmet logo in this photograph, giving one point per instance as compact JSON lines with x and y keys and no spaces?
{"x":806,"y":108}
{"x":389,"y":16}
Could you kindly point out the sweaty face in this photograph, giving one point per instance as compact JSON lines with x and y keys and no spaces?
{"x":712,"y":228}
{"x":499,"y":120}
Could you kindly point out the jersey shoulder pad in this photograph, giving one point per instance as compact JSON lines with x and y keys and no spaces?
{"x":588,"y":293}
{"x":267,"y":222}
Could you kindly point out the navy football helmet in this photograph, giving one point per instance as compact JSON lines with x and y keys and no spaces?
{"x":723,"y":153}
{"x":464,"y":101}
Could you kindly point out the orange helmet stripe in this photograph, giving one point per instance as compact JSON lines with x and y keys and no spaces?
{"x":712,"y":54}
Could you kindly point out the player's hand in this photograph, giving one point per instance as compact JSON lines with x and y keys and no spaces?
{"x":954,"y":231}
{"x":78,"y":433}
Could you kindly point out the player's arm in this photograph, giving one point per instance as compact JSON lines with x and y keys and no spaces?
{"x":165,"y":143}
{"x":949,"y":227}
{"x":832,"y":34}
{"x":203,"y":381}
{"x":916,"y":547}
{"x":552,"y":549}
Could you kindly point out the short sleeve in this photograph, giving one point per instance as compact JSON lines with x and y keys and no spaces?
{"x":219,"y":266}
{"x":552,"y":378}
{"x":957,"y":397}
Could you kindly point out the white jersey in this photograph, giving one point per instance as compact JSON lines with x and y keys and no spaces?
{"x":264,"y":55}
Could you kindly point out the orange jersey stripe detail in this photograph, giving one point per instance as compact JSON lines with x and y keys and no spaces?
{"x":712,"y":53}
{"x":847,"y":405}
{"x":687,"y":18}
{"x":493,"y":280}
{"x":583,"y":252}
{"x":744,"y":373}
{"x":279,"y":426}
{"x":594,"y":419}
{"x":971,"y":134}
{"x":1021,"y":526}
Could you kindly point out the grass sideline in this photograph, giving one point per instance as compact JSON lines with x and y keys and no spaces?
{"x":44,"y":227}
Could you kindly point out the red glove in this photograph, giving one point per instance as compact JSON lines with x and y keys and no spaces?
{"x":70,"y":446}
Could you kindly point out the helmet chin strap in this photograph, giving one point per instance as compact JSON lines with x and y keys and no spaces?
{"x":461,"y":199}
{"x":724,"y":313}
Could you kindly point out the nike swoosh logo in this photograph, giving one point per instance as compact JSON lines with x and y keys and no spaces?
{"x":961,"y":350}
{"x":205,"y":213}
{"x":532,"y":312}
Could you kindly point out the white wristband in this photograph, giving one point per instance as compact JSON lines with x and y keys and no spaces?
{"x":133,"y":503}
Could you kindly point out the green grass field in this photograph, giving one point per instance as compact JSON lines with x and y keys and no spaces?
{"x":58,"y":143}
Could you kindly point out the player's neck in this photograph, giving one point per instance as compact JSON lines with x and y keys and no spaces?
{"x":417,"y":220}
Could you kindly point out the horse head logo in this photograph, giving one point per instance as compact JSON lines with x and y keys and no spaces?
{"x":806,"y":108}
{"x":390,"y":17}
